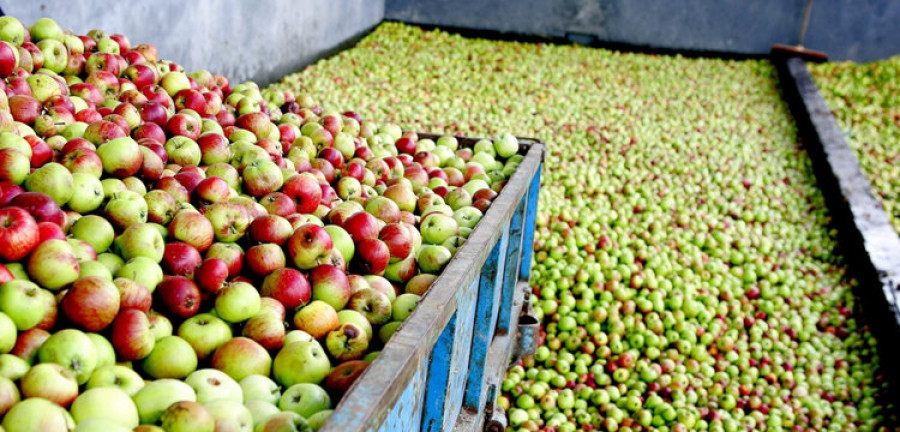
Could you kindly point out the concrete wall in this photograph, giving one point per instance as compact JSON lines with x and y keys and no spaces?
{"x":860,"y":30}
{"x":260,"y":40}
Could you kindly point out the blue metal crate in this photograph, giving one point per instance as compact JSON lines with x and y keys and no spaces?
{"x":442,"y":368}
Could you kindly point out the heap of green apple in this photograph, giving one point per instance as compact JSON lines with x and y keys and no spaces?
{"x":179,"y":253}
{"x":865,"y":100}
{"x":684,"y":269}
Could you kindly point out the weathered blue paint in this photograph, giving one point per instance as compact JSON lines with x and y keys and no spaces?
{"x":485,"y":319}
{"x":450,"y":364}
{"x":528,"y":240}
{"x":511,"y":269}
{"x":406,"y":415}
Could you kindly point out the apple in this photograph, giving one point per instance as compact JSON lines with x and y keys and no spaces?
{"x":230,"y":415}
{"x":53,"y":264}
{"x":126,"y":208}
{"x":301,"y":362}
{"x":419,"y":284}
{"x":271,"y":229}
{"x":304,"y":190}
{"x":141,"y":239}
{"x":13,"y":367}
{"x":91,"y":302}
{"x":288,"y":286}
{"x":116,"y":376}
{"x":179,"y":296}
{"x":143,"y":271}
{"x":12,"y":31}
{"x":132,"y":295}
{"x":205,"y":332}
{"x":18,"y":233}
{"x":433,"y":258}
{"x":121,"y":157}
{"x":131,"y":335}
{"x":210,"y":276}
{"x":388,"y":330}
{"x":37,"y":414}
{"x":262,"y":177}
{"x":305,"y":399}
{"x":28,"y":341}
{"x":161,"y":207}
{"x":230,"y":253}
{"x":50,"y":381}
{"x":160,"y":325}
{"x":211,"y":190}
{"x":241,"y":357}
{"x":9,"y":395}
{"x":357,"y":319}
{"x":213,"y":384}
{"x":317,"y":319}
{"x":259,"y":387}
{"x":44,"y":87}
{"x":284,"y":421}
{"x":180,"y":259}
{"x":265,"y":258}
{"x":14,"y":165}
{"x":330,"y":284}
{"x":343,"y":376}
{"x":183,"y":150}
{"x":361,"y":226}
{"x":347,"y":342}
{"x":187,"y":416}
{"x":52,"y":179}
{"x":71,"y":349}
{"x":171,"y":357}
{"x":402,"y":195}
{"x":108,"y":403}
{"x":229,"y":220}
{"x":309,"y":246}
{"x":277,"y":203}
{"x":267,"y":329}
{"x":192,"y":228}
{"x":372,"y":256}
{"x":155,"y":397}
{"x":375,"y":306}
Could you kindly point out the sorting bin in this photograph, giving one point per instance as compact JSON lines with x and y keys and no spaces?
{"x":442,"y":369}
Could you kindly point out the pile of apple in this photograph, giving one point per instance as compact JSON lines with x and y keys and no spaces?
{"x":684,"y":268}
{"x":865,"y":100}
{"x":182,"y":254}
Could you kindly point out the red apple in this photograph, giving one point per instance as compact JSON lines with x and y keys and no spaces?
{"x":41,"y":206}
{"x":265,"y":258}
{"x":193,"y":229}
{"x":133,"y":295}
{"x":270,"y":229}
{"x":131,"y":335}
{"x":28,"y":343}
{"x":211,"y":275}
{"x":361,"y":226}
{"x":92,"y":302}
{"x":18,"y":233}
{"x":179,"y":296}
{"x":288,"y":286}
{"x":180,"y":259}
{"x":371,"y":257}
{"x":50,"y":230}
{"x":230,"y":254}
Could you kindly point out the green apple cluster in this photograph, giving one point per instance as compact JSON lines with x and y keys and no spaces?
{"x":183,"y":254}
{"x":865,"y":100}
{"x":684,"y":270}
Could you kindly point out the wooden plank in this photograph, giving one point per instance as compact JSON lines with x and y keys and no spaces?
{"x":450,"y":364}
{"x":511,"y":270}
{"x":406,"y":414}
{"x":370,"y":399}
{"x":485,"y":320}
{"x":531,"y":214}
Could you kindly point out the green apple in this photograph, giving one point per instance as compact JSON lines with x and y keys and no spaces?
{"x":100,"y":425}
{"x":108,"y":403}
{"x":172,"y":357}
{"x":106,"y":355}
{"x":45,"y":28}
{"x":237,"y":302}
{"x":95,"y":230}
{"x":71,"y":349}
{"x":305,"y":399}
{"x":55,"y":54}
{"x":506,"y":145}
{"x":318,"y":419}
{"x":126,"y":208}
{"x":260,"y":410}
{"x":173,"y":82}
{"x":13,"y":367}
{"x":111,"y":261}
{"x":121,"y":377}
{"x":141,"y":240}
{"x":43,"y":87}
{"x":53,"y":180}
{"x":94,"y":268}
{"x":241,"y":357}
{"x":16,"y":165}
{"x":37,"y":414}
{"x":212,"y":384}
{"x":22,"y":302}
{"x":260,"y":387}
{"x":12,"y":30}
{"x":357,"y":319}
{"x":205,"y":332}
{"x":341,"y":241}
{"x":156,"y":396}
{"x":142,"y":270}
{"x":8,"y":333}
{"x":301,"y":362}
